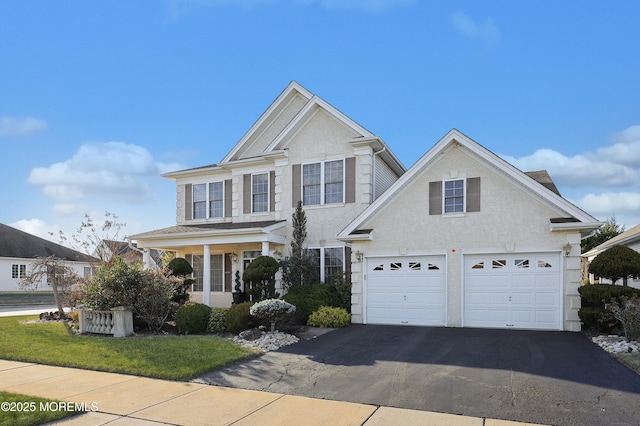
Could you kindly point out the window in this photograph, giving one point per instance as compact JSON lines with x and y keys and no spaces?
{"x":18,"y":271}
{"x":454,"y":196}
{"x":260,"y":193}
{"x":329,"y":261}
{"x":208,"y":203}
{"x":216,"y":271}
{"x":249,"y":256}
{"x":323,"y":183}
{"x":216,"y":199}
{"x":200,"y":201}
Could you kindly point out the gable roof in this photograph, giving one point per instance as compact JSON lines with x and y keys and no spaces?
{"x":276,"y":147}
{"x":627,"y":238}
{"x":574,"y":219}
{"x":19,"y":244}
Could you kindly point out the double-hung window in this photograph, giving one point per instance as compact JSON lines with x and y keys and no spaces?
{"x":454,"y":196}
{"x":200,"y":201}
{"x":216,"y":200}
{"x":260,"y":192}
{"x":216,"y":272}
{"x":329,"y":261}
{"x":208,"y":203}
{"x":323,"y":183}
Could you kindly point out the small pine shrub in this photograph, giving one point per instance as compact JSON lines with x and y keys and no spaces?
{"x":193,"y":318}
{"x":218,"y":320}
{"x":329,"y":317}
{"x":239,"y":319}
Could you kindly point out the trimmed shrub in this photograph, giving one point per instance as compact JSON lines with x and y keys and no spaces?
{"x":309,"y":298}
{"x":240,"y":319}
{"x":218,"y":320}
{"x":192,"y":318}
{"x":260,"y":276}
{"x":272,"y":310}
{"x":593,"y":312}
{"x":328,"y":316}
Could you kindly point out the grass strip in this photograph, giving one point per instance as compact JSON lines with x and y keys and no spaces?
{"x":164,"y":357}
{"x":23,"y":410}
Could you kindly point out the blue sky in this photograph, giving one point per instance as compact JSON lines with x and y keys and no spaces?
{"x":97,"y":99}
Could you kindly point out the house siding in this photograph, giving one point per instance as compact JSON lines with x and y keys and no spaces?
{"x":510,"y":220}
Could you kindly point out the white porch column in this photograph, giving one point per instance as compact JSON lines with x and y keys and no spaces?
{"x":265,"y":248}
{"x":206,"y":276}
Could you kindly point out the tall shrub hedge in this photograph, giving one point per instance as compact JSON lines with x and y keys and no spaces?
{"x":593,"y":312}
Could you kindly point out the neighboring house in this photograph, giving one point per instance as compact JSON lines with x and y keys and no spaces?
{"x":461,"y":239}
{"x":464,"y":239}
{"x":229,"y":213}
{"x":129,"y":251}
{"x":630,"y":238}
{"x":18,"y":250}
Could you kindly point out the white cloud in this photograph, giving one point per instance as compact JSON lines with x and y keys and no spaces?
{"x":21,"y":126}
{"x":604,"y":182}
{"x":486,"y":32}
{"x":111,"y":170}
{"x":39,"y":228}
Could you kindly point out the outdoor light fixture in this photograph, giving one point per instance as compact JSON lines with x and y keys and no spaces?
{"x":567,"y":249}
{"x":234,"y":257}
{"x":359,"y":256}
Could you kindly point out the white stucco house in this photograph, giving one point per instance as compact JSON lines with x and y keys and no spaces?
{"x":631,"y":239}
{"x":19,"y":249}
{"x":461,"y":239}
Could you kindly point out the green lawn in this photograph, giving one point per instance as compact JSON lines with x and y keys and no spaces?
{"x":23,"y":410}
{"x":165,"y":357}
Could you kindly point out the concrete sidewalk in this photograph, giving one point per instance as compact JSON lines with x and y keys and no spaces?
{"x":119,"y":399}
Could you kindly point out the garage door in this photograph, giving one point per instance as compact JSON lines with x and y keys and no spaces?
{"x":406,"y":290}
{"x":512,"y":291}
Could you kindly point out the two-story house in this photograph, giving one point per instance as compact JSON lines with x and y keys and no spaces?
{"x":461,"y":239}
{"x":229,"y":213}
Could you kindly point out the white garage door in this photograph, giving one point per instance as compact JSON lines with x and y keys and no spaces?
{"x":406,"y":290}
{"x":512,"y":291}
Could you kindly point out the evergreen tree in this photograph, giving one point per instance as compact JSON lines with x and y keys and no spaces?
{"x":615,"y":263}
{"x":606,"y":232}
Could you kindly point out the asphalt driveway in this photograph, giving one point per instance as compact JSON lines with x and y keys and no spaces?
{"x":557,"y":378}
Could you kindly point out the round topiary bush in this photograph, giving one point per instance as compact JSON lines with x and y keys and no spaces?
{"x":218,"y":320}
{"x":272,"y":310}
{"x":328,"y":316}
{"x":193,"y":318}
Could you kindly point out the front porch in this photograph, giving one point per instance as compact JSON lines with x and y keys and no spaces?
{"x":217,"y":252}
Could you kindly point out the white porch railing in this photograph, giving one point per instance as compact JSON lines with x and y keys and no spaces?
{"x":118,"y":321}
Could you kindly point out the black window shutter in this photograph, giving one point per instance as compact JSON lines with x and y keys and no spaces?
{"x":296,"y":179}
{"x":188,"y":202}
{"x":246,"y":195}
{"x":473,"y":194}
{"x":227,"y":198}
{"x":350,"y":180}
{"x":435,"y":197}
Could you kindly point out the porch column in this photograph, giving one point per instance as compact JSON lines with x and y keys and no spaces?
{"x":265,"y":248}
{"x":206,"y":276}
